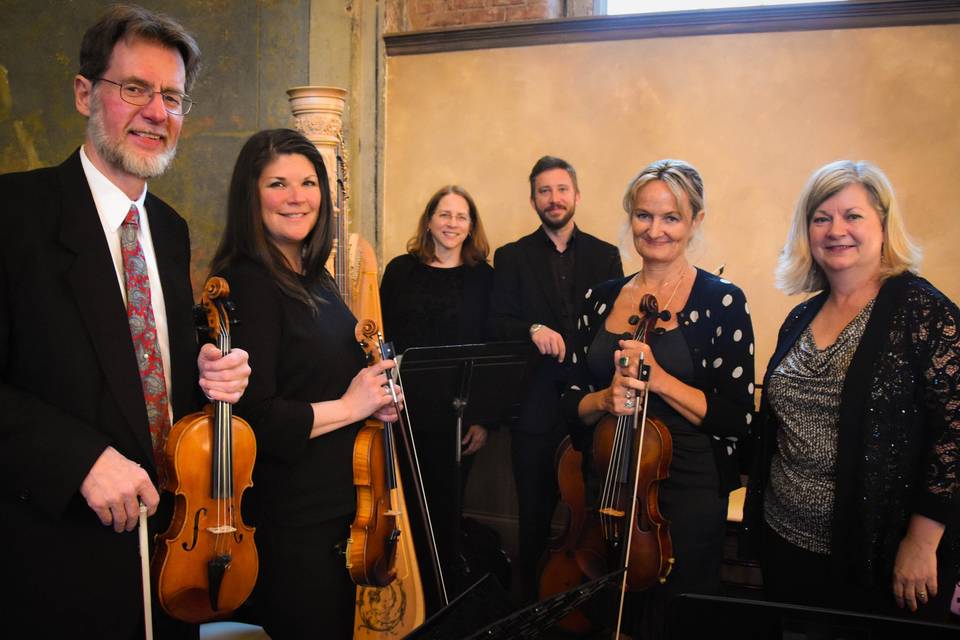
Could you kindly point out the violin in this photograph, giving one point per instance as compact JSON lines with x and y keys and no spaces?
{"x":632,"y":454}
{"x":371,"y":547}
{"x":206,"y":563}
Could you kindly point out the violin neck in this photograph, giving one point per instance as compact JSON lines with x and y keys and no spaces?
{"x":221,"y":455}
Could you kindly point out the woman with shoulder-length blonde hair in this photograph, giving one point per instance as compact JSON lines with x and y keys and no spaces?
{"x":856,"y":480}
{"x":797,"y":272}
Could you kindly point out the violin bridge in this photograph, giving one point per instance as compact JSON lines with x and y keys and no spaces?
{"x":347,"y":554}
{"x":608,"y":511}
{"x":221,"y":530}
{"x":392,"y":512}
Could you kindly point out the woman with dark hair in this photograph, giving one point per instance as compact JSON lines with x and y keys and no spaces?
{"x":311,"y":391}
{"x":438,"y":293}
{"x":857,"y":472}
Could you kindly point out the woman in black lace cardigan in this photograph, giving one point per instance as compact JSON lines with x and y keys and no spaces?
{"x":856,"y":487}
{"x":701,"y":380}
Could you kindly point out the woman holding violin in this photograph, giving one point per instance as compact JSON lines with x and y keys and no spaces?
{"x":855,"y":488}
{"x":311,"y":390}
{"x":700,"y":359}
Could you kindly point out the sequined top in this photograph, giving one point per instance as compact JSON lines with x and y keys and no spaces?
{"x":804,"y":393}
{"x":898,"y":441}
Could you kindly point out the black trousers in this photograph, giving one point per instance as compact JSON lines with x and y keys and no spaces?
{"x":304,"y":589}
{"x":535,"y":475}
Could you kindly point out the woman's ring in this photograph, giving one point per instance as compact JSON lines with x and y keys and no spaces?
{"x":922,"y":595}
{"x":624,"y":361}
{"x":628,"y":404}
{"x":629,"y":394}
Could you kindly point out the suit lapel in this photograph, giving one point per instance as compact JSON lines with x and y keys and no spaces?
{"x":92,"y":280}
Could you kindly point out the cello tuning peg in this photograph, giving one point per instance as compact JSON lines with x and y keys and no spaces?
{"x":665,"y":315}
{"x":229,"y":306}
{"x":633,"y":320}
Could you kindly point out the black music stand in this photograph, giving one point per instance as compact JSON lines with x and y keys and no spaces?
{"x":484,"y":612}
{"x":445,"y":389}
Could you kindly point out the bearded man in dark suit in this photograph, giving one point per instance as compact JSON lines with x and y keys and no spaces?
{"x":87,"y":254}
{"x":539,"y":281}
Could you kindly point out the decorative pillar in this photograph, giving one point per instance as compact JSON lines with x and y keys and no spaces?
{"x":318,"y":115}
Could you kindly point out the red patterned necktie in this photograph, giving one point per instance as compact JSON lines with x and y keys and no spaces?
{"x":143,"y":331}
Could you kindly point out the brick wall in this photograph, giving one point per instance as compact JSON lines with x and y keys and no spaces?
{"x":414,"y":15}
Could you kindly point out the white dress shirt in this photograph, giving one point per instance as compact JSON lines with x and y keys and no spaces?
{"x":112,"y":206}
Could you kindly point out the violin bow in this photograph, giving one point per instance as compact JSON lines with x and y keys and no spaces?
{"x":641,"y":420}
{"x":145,"y":574}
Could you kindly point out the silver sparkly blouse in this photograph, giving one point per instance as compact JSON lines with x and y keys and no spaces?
{"x":804,"y":393}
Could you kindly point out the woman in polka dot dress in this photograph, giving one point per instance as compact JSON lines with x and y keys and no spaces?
{"x":701,"y":378}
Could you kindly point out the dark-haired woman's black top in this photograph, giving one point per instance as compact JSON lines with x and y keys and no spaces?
{"x":303,"y":498}
{"x":297,"y":356}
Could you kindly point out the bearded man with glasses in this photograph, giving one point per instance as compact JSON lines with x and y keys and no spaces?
{"x":98,"y":355}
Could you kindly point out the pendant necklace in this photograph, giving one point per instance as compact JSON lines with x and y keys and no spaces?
{"x":665,"y":314}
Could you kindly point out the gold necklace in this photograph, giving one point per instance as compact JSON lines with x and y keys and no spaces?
{"x":665,"y":314}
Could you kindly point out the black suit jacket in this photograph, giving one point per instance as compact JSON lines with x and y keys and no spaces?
{"x":525,"y":293}
{"x":70,"y":387}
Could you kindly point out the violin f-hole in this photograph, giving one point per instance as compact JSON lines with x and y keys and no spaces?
{"x":196,"y":529}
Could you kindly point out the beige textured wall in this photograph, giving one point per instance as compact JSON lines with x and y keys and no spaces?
{"x":755,"y":113}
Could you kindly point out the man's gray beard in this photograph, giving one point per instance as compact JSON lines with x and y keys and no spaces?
{"x":550,"y":224}
{"x":113,"y":154}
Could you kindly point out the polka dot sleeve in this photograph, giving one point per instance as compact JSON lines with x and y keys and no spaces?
{"x":728,"y":361}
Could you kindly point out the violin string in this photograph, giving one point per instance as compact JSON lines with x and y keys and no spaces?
{"x":224,"y":493}
{"x":218,"y":454}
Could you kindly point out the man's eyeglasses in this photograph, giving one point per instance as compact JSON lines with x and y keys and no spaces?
{"x":134,"y":93}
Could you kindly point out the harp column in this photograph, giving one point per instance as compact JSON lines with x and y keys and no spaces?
{"x":318,"y":115}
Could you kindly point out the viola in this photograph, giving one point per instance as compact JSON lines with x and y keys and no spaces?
{"x":632,"y":453}
{"x":206,"y":563}
{"x":627,"y":531}
{"x":374,"y":534}
{"x":372,"y":545}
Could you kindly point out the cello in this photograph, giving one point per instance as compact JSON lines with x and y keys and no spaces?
{"x":632,"y":454}
{"x":206,"y":564}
